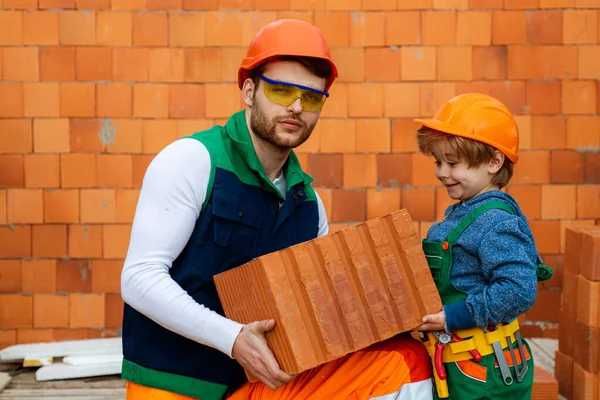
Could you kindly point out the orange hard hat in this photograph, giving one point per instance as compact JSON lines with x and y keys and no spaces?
{"x":286,"y":37}
{"x":479,"y":117}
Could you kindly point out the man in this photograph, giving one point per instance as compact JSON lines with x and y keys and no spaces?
{"x":218,"y":199}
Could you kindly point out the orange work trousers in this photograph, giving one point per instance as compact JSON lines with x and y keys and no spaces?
{"x":398,"y":368}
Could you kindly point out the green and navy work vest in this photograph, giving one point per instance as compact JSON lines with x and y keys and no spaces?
{"x":243,"y":217}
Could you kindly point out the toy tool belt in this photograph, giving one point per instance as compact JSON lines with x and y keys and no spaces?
{"x":475,"y":339}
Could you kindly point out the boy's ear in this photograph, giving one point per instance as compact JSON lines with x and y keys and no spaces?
{"x":496,"y":162}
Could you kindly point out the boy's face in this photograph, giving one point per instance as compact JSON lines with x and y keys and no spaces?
{"x":461,"y":182}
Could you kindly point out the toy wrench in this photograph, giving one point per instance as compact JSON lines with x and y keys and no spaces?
{"x":499,"y":353}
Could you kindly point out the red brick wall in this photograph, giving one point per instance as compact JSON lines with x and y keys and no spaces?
{"x":91,"y":89}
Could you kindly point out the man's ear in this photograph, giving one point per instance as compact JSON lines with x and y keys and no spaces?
{"x":496,"y":162}
{"x":248,"y":91}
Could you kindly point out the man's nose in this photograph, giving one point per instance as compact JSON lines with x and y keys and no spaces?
{"x":296,"y":106}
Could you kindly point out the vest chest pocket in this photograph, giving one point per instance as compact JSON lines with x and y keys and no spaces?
{"x":236,"y":224}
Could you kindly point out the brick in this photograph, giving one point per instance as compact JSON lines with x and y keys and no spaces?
{"x":57,"y":63}
{"x":580,"y":26}
{"x":589,"y":67}
{"x":389,"y":240}
{"x":585,"y":384}
{"x":348,"y":205}
{"x":423,"y":171}
{"x":569,"y":295}
{"x":350,"y":62}
{"x":40,"y":99}
{"x":486,"y":4}
{"x":11,"y":27}
{"x":40,"y":27}
{"x":186,"y":29}
{"x":419,"y":63}
{"x":13,"y":171}
{"x":337,"y":102}
{"x":588,"y":204}
{"x":73,"y":276}
{"x":300,"y":15}
{"x":438,"y":28}
{"x":150,"y":101}
{"x":116,"y":241}
{"x":77,"y":27}
{"x":366,"y":100}
{"x":114,"y":28}
{"x":97,"y":205}
{"x":164,"y":4}
{"x":77,"y":99}
{"x":25,"y":336}
{"x":474,"y":28}
{"x":455,"y":63}
{"x":223,"y":29}
{"x":15,"y":136}
{"x":3,"y":206}
{"x":381,"y":202}
{"x":128,"y":4}
{"x":15,"y":241}
{"x":157,"y":134}
{"x":186,"y":101}
{"x":543,"y":62}
{"x":166,"y":65}
{"x":557,"y":3}
{"x":545,"y":27}
{"x":113,"y":170}
{"x":572,"y":250}
{"x":150,"y":29}
{"x":546,"y":303}
{"x":548,"y":132}
{"x":433,"y":95}
{"x":343,"y":4}
{"x":360,"y":170}
{"x":106,"y":276}
{"x":590,"y":253}
{"x":565,"y":224}
{"x":395,"y":170}
{"x":50,"y":311}
{"x":84,"y":135}
{"x":50,"y":135}
{"x":130,"y":64}
{"x":586,"y":351}
{"x":57,"y":3}
{"x":517,"y":20}
{"x":450,"y":4}
{"x":544,"y":97}
{"x":402,"y":99}
{"x":92,"y":4}
{"x":139,"y":164}
{"x":420,"y":203}
{"x":20,"y":4}
{"x":85,"y":241}
{"x":442,"y":202}
{"x":114,"y":310}
{"x":11,"y":100}
{"x":8,"y":337}
{"x":588,"y":301}
{"x":326,"y":169}
{"x":489,"y":63}
{"x":59,"y":335}
{"x":16,"y":311}
{"x":86,"y":310}
{"x":583,"y":133}
{"x":373,"y":135}
{"x":524,"y":125}
{"x":403,"y":28}
{"x":547,"y":235}
{"x":49,"y":241}
{"x":567,"y":167}
{"x":592,"y":167}
{"x":20,"y":64}
{"x":367,"y":29}
{"x":529,"y":199}
{"x":202,"y":64}
{"x":567,"y":327}
{"x":41,"y":171}
{"x":38,"y":276}
{"x":579,"y":97}
{"x":252,"y":22}
{"x":533,"y":168}
{"x":128,"y":136}
{"x":78,"y":170}
{"x":61,"y":206}
{"x":382,"y":64}
{"x":403,"y":135}
{"x":10,"y":276}
{"x":24,"y":206}
{"x":330,"y":130}
{"x":114,"y":100}
{"x":93,"y":63}
{"x":545,"y":386}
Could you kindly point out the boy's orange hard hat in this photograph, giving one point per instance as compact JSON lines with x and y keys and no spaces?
{"x":286,"y":37}
{"x":479,"y":117}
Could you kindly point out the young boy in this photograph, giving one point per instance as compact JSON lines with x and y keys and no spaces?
{"x":482,"y":255}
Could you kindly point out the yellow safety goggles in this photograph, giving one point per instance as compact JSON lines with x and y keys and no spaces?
{"x":285,"y":94}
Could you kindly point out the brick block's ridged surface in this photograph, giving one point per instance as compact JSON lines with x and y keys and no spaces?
{"x":578,"y":356}
{"x":545,"y":387}
{"x":336,"y":294}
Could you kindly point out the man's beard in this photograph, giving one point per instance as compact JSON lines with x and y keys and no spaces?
{"x":266,"y":129}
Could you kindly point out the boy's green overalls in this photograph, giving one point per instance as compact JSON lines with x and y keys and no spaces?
{"x":467,"y":379}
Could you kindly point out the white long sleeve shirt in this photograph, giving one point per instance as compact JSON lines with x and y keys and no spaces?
{"x":172,"y":194}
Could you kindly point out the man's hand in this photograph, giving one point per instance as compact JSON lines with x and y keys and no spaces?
{"x":433,"y":322}
{"x":251,"y":350}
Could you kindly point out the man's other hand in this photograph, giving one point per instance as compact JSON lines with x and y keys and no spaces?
{"x":251,"y":350}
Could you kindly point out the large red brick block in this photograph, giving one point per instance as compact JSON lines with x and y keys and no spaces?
{"x":336,"y":294}
{"x":563,"y":371}
{"x":545,"y":386}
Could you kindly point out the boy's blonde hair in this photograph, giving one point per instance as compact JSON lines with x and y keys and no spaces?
{"x":473,"y":152}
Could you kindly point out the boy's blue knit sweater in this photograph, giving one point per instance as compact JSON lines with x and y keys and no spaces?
{"x":494,"y":262}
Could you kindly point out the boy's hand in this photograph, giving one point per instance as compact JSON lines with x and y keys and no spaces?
{"x":433,"y":322}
